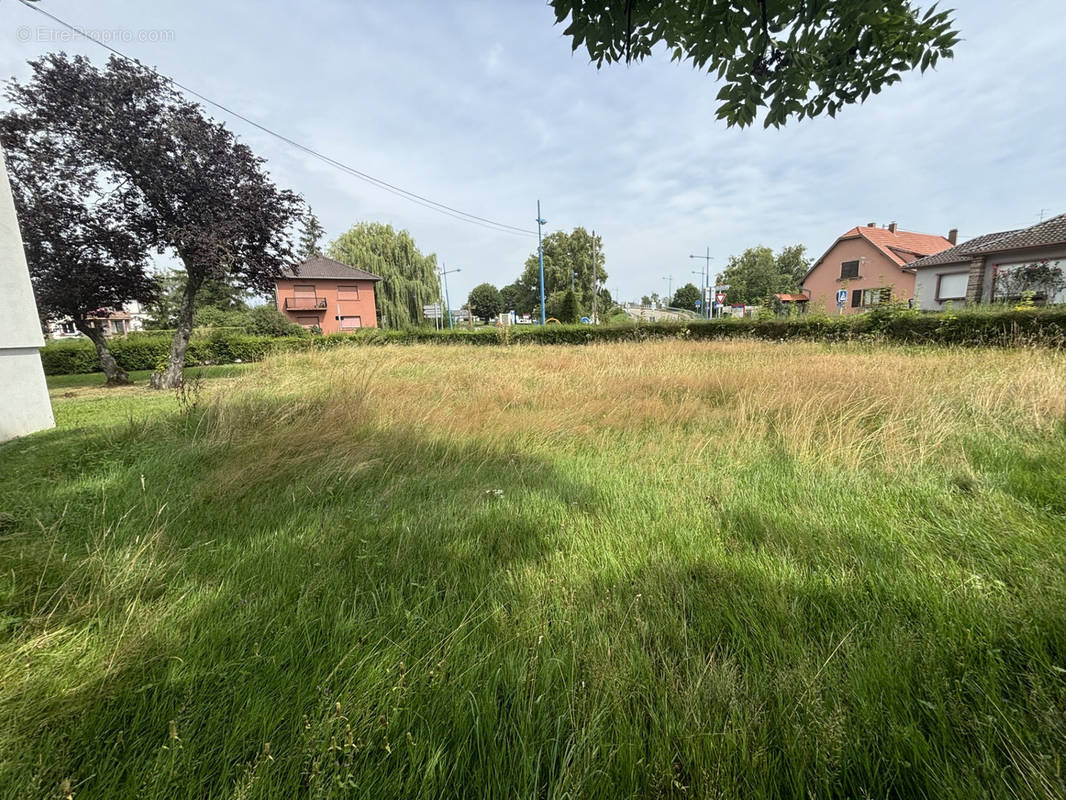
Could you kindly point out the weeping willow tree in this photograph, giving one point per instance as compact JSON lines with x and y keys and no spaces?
{"x":410,"y":278}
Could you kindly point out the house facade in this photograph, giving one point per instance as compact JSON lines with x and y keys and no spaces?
{"x":868,"y":264}
{"x":997,"y":267}
{"x":131,"y":317}
{"x":328,"y":294}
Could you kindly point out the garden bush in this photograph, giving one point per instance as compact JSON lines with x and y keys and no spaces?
{"x":1003,"y":328}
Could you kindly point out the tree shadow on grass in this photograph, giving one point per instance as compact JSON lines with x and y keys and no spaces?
{"x":235,"y":611}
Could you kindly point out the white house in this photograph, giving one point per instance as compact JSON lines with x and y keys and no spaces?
{"x":996,"y":267}
{"x":24,"y":404}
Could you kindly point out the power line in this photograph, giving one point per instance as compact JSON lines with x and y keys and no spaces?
{"x":433,"y":205}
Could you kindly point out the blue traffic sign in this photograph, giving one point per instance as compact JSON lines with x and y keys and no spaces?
{"x":586,"y":320}
{"x":842,"y":296}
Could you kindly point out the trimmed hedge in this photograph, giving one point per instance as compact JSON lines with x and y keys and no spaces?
{"x":1040,"y":327}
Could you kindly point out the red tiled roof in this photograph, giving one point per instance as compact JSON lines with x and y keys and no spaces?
{"x":902,"y":246}
{"x":327,"y":268}
{"x":792,"y":298}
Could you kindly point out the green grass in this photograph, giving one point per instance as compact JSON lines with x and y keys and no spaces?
{"x":644,"y":570}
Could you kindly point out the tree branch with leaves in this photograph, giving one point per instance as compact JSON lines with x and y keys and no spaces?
{"x":791,"y":58}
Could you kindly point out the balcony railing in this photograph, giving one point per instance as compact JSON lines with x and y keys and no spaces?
{"x":304,"y":303}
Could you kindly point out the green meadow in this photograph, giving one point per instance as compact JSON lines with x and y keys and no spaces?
{"x":640,"y":570}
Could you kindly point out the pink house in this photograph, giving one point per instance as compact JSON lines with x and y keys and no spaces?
{"x":867,"y":264}
{"x":329,"y":294}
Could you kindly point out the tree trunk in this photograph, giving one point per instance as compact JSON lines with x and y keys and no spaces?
{"x":116,"y":376}
{"x":174,"y":375}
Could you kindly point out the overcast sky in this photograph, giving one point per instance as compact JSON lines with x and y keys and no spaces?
{"x":482,"y":106}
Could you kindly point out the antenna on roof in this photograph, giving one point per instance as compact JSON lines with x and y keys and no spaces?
{"x":1043,"y":211}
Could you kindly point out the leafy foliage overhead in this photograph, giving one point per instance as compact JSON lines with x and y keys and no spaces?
{"x":795,"y":58}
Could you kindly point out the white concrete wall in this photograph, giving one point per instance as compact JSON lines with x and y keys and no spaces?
{"x":925,"y":283}
{"x":23,"y":393}
{"x":24,"y":404}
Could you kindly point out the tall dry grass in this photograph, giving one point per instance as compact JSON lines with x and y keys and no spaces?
{"x":842,"y":405}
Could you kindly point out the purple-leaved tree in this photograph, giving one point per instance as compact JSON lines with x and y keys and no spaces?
{"x":205,"y":195}
{"x":86,"y":241}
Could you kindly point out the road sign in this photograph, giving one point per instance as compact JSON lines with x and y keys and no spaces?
{"x":842,"y":296}
{"x":699,"y":304}
{"x":586,"y":320}
{"x":720,"y":297}
{"x":432,"y":311}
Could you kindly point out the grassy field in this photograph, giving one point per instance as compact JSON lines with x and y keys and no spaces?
{"x":668,"y":569}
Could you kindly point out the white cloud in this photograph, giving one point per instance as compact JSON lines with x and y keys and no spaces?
{"x":485,"y":108}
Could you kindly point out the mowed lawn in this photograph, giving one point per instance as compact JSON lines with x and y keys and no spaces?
{"x":668,"y":569}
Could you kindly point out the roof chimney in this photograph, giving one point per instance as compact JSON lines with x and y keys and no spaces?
{"x":871,"y":224}
{"x":953,"y":235}
{"x":892,"y":227}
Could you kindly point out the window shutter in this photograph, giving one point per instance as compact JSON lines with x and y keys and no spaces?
{"x":849,"y":269}
{"x":856,"y":298}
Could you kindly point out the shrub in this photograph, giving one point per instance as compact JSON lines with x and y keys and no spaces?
{"x":268,"y":321}
{"x":1044,"y":327}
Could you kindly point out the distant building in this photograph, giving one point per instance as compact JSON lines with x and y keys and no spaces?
{"x":328,"y":294}
{"x":869,"y":264}
{"x":115,"y":323}
{"x":996,"y":267}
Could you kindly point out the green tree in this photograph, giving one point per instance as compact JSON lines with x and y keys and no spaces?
{"x":519,"y":298}
{"x":794,"y":58}
{"x":409,"y":278}
{"x":645,"y":300}
{"x":214,"y":294}
{"x":793,"y":260}
{"x":485,"y":301}
{"x":205,"y":196}
{"x":268,"y":321}
{"x":570,"y":312}
{"x":311,"y":233}
{"x":686,"y":297}
{"x":757,"y":273}
{"x":566,"y":253}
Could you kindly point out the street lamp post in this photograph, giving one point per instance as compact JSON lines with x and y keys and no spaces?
{"x":706,"y":279}
{"x":669,"y":288}
{"x":540,"y":257}
{"x":444,"y":273}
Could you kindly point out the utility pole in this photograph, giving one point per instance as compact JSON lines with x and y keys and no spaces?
{"x":706,"y":279}
{"x":669,"y":288}
{"x":448,"y":303}
{"x":595,"y":277}
{"x":540,"y":257}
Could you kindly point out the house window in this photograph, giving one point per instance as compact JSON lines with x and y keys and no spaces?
{"x":307,"y":322}
{"x":849,"y":270}
{"x":67,"y":327}
{"x":118,"y":326}
{"x":874,"y":297}
{"x":1044,"y":281}
{"x":856,"y":298}
{"x":348,"y":292}
{"x":951,"y":286}
{"x":304,"y":295}
{"x":349,"y":322}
